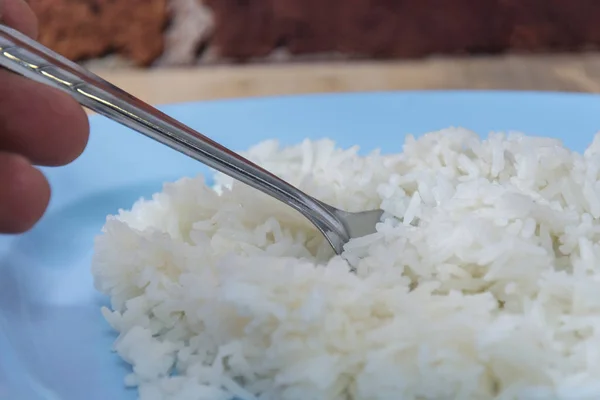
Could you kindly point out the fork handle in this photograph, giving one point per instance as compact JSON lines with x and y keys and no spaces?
{"x":31,"y":59}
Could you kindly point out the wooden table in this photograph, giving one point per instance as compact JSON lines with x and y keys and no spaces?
{"x":579,"y":73}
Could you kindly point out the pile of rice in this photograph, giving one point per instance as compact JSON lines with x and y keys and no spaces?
{"x":482,"y":281}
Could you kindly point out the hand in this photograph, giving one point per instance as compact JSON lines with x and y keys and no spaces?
{"x":39,"y":125}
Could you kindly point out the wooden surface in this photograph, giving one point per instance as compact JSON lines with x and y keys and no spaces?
{"x":575,"y":73}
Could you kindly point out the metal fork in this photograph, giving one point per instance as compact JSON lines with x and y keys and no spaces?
{"x":31,"y":59}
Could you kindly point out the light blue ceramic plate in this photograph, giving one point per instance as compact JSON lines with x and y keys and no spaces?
{"x":54,"y":344}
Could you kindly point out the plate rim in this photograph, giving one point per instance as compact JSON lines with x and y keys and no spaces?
{"x":368,"y":93}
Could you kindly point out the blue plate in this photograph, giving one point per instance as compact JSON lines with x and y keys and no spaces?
{"x":54,"y":344}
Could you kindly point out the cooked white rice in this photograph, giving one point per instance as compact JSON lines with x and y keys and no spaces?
{"x":494,"y":294}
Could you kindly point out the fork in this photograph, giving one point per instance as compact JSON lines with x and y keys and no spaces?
{"x":34,"y":61}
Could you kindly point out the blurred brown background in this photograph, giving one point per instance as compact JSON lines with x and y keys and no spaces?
{"x":504,"y":44}
{"x":185,"y":32}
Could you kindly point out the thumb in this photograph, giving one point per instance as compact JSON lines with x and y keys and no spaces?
{"x":17,"y":14}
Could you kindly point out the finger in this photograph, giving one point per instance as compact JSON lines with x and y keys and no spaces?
{"x":18,"y":15}
{"x":24,"y":195}
{"x":44,"y":124}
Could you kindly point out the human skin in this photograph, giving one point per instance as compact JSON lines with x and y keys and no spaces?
{"x":39,"y":126}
